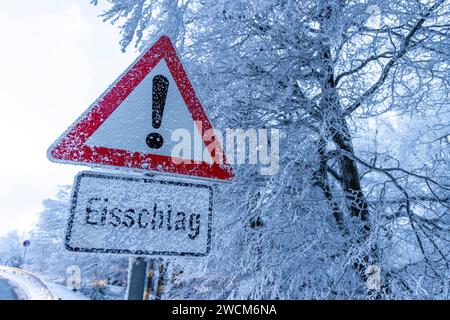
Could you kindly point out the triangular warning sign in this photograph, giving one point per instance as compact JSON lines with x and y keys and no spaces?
{"x":132,"y":124}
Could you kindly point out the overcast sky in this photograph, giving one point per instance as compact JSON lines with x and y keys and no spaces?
{"x":56,"y":58}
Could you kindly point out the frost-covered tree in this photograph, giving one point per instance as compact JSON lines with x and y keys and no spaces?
{"x":47,"y":252}
{"x":11,"y":250}
{"x":48,"y":256}
{"x":360,"y":91}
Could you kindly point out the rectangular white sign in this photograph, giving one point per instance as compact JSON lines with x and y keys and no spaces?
{"x":126,"y":214}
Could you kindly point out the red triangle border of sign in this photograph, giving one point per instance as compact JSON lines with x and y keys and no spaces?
{"x":71,"y":147}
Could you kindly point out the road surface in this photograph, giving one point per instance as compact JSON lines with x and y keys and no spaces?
{"x":6,"y":292}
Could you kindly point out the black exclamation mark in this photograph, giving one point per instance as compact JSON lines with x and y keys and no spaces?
{"x":160,"y":87}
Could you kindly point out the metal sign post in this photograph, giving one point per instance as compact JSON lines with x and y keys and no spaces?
{"x":26,"y":244}
{"x":137,"y":278}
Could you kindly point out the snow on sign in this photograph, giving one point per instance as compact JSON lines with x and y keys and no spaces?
{"x":127,"y":214}
{"x":131,"y":124}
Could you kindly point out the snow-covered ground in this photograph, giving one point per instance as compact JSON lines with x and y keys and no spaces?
{"x":29,"y":287}
{"x":64,"y":293}
{"x":26,"y":288}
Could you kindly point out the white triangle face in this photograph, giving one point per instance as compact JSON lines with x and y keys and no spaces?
{"x":128,"y":126}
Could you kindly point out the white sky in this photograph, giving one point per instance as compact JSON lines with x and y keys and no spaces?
{"x":56,"y":58}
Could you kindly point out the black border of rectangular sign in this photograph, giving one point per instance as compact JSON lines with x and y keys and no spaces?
{"x":91,"y":174}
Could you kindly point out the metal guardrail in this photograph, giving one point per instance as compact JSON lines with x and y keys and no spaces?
{"x":29,"y":275}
